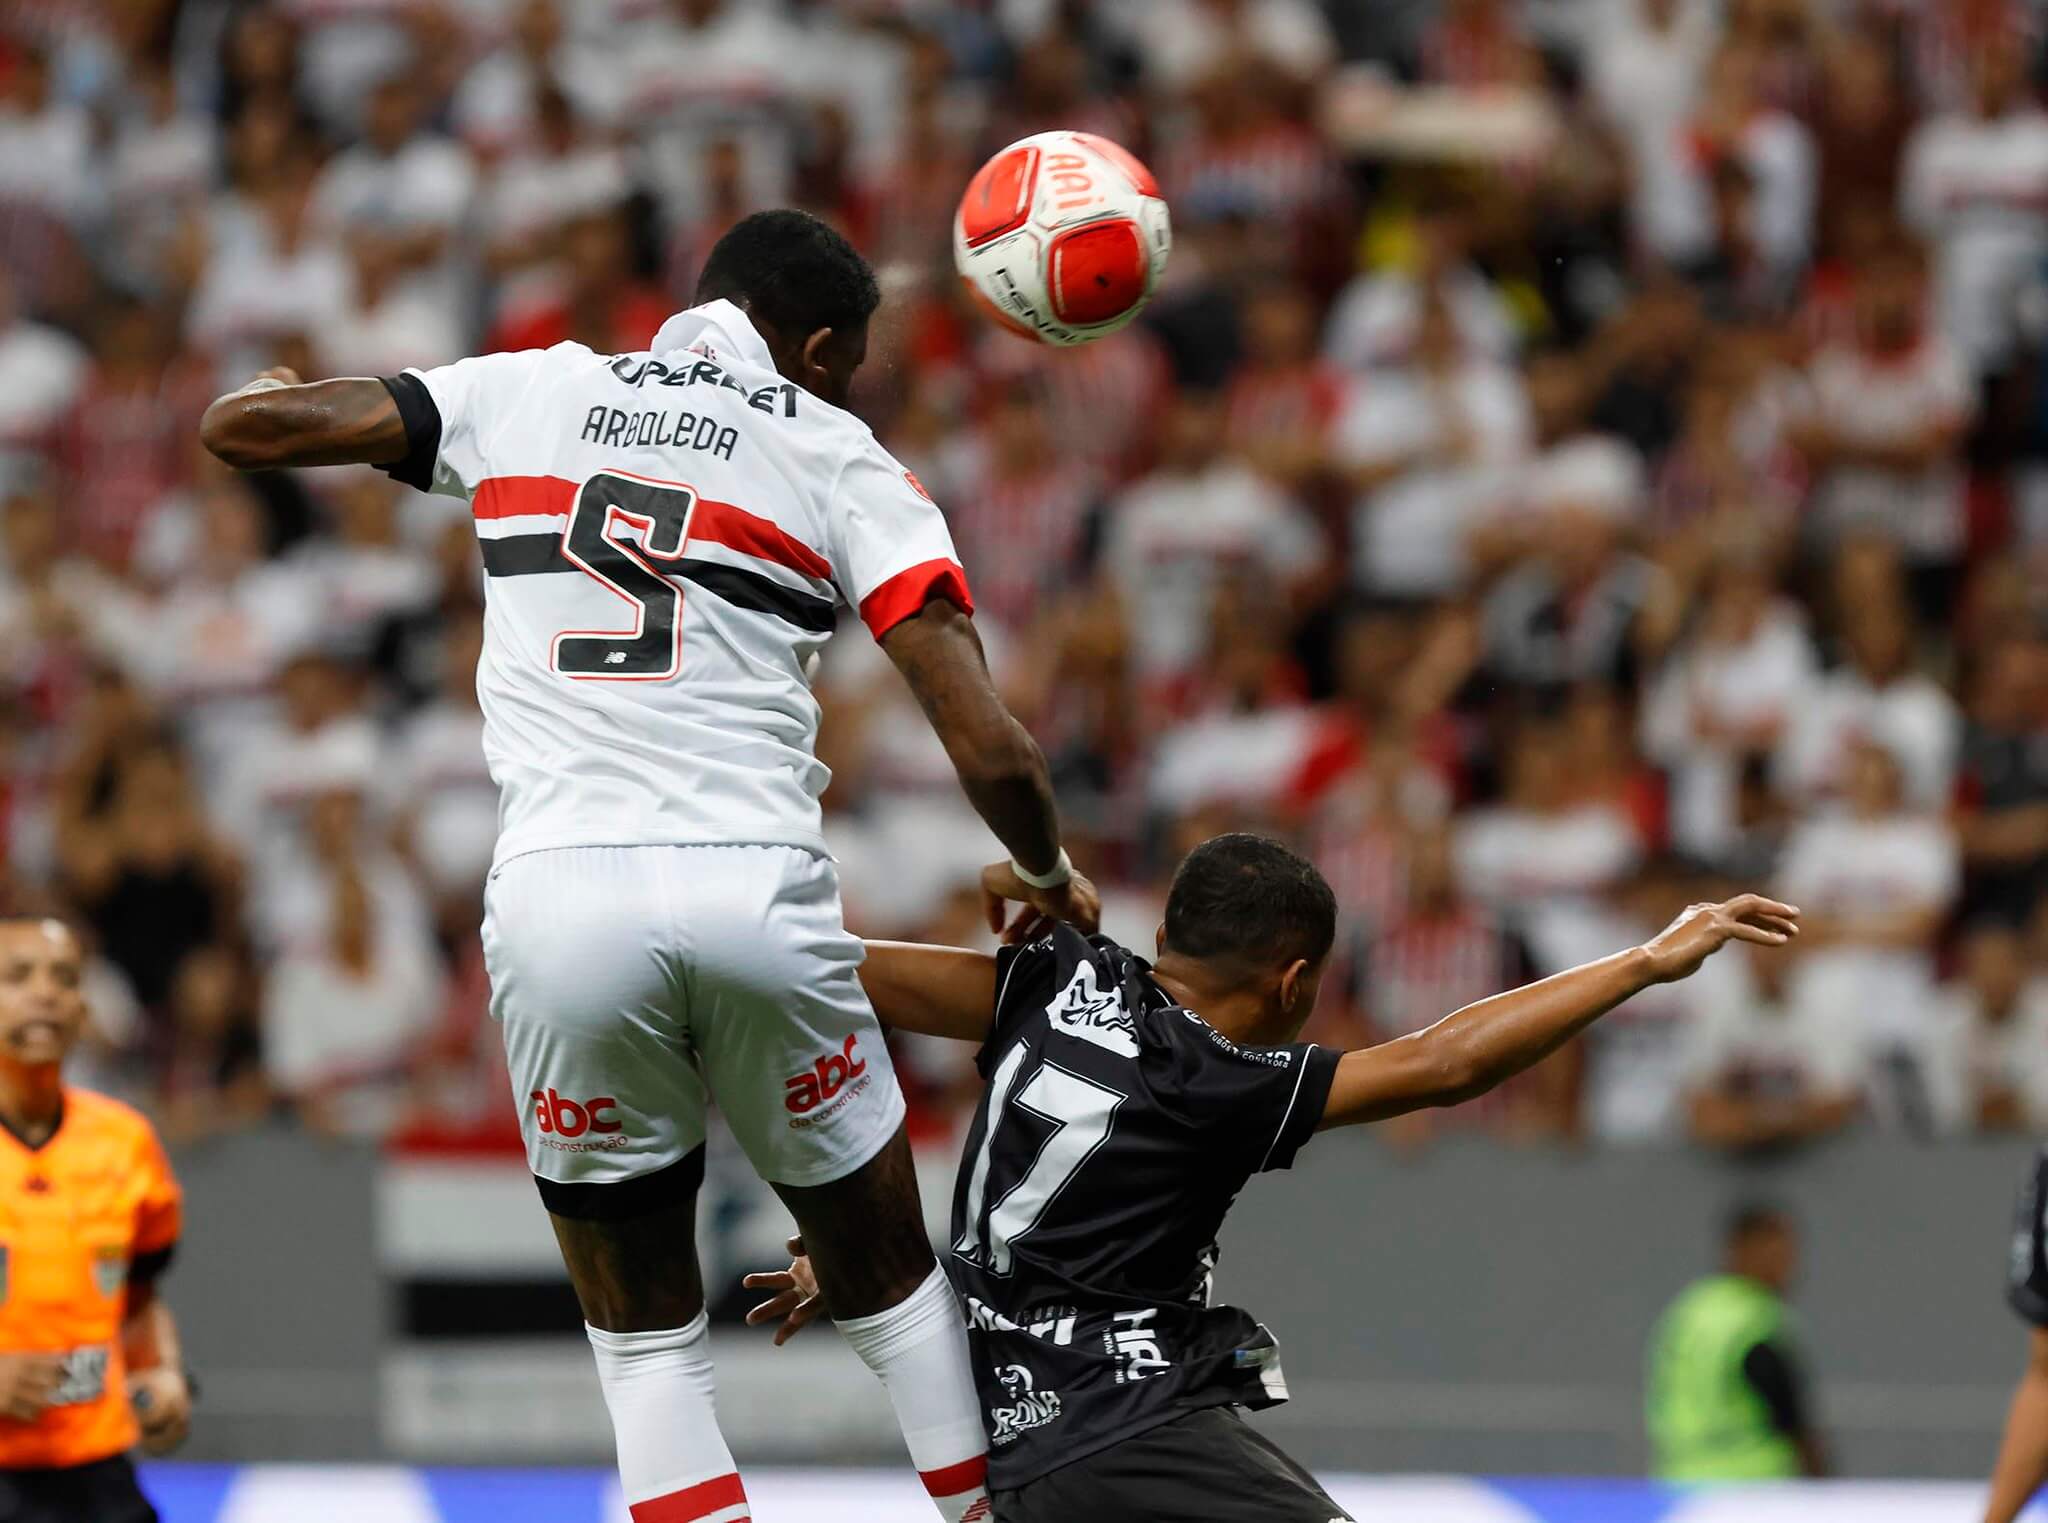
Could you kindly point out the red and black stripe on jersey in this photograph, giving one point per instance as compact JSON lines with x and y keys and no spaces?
{"x":541,"y":553}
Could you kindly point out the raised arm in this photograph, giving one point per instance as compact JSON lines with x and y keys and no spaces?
{"x":1001,"y":769}
{"x":940,"y":991}
{"x":277,"y":421}
{"x":1470,"y":1051}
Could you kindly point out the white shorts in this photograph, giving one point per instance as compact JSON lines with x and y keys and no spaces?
{"x":638,"y":984}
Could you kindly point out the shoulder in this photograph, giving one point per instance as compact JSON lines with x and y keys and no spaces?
{"x":852,"y":444}
{"x":106,"y":1118}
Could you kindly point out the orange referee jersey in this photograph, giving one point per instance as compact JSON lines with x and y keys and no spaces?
{"x":75,"y":1213}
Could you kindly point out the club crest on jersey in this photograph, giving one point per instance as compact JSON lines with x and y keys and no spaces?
{"x":109,"y":1270}
{"x":1029,"y":1407}
{"x":1086,"y":1010}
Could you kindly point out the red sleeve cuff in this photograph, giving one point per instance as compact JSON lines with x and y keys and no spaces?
{"x":906,"y":593}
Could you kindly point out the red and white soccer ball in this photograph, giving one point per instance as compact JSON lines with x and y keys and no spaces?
{"x":1062,"y":237}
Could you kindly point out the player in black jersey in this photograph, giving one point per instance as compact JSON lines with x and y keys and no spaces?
{"x":2023,"y":1456}
{"x":1126,"y":1105}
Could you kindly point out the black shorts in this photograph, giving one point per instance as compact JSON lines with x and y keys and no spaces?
{"x":105,"y":1491}
{"x":1208,"y":1467}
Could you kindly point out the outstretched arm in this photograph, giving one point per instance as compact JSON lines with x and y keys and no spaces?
{"x":1470,"y":1051}
{"x":940,"y":991}
{"x":1001,"y":769}
{"x":277,"y":421}
{"x":2023,"y":1456}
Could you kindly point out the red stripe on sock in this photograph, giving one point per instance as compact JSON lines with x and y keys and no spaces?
{"x":954,"y":1479}
{"x":692,"y":1502}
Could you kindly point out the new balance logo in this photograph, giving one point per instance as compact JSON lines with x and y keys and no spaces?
{"x":572,"y":1118}
{"x":823,"y":1080}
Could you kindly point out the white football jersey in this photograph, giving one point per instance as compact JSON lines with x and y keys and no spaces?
{"x":667,"y":538}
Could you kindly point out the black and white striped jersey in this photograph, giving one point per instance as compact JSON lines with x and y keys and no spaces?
{"x":1115,"y":1131}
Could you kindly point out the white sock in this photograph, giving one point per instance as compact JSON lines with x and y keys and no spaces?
{"x":918,"y":1349}
{"x":673,"y":1463}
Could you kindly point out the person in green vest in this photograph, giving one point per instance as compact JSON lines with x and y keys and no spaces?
{"x":1727,"y":1397}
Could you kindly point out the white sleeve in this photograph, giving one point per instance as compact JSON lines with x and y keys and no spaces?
{"x":891,"y":550}
{"x":471,"y":396}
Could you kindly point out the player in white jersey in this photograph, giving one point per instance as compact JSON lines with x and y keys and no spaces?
{"x":667,"y":537}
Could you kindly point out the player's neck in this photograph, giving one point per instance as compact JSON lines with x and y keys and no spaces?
{"x":1239,"y":1014}
{"x":31,"y":1099}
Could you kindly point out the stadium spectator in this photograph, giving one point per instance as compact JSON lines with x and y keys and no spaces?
{"x":1876,"y":695}
{"x":2002,"y":787}
{"x":138,"y":855}
{"x":1724,"y":699}
{"x":1990,"y":1071}
{"x":352,"y":993}
{"x":1433,"y":955}
{"x":1023,"y":504}
{"x":1577,"y":608}
{"x":1430,"y":447}
{"x":1544,"y":840}
{"x":1889,"y":409}
{"x":1876,"y":880}
{"x":1972,"y":186}
{"x":1763,"y":1070}
{"x":1173,"y":534}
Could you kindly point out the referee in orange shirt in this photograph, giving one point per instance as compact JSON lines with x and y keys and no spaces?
{"x":89,"y":1214}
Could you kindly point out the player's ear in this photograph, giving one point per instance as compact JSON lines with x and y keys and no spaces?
{"x":813,"y":352}
{"x":1159,"y":942}
{"x":1291,"y":978}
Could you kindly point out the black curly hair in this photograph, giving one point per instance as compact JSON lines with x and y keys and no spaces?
{"x":792,"y":272}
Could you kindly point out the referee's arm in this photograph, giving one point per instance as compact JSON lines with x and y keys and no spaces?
{"x":2023,"y":1454}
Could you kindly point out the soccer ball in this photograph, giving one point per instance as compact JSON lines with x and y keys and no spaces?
{"x":1062,"y":237}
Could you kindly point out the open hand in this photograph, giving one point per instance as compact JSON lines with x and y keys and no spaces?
{"x":795,"y":1300}
{"x":1074,"y":902}
{"x":1701,"y":930}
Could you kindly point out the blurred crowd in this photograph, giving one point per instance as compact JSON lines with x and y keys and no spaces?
{"x":1585,"y":454}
